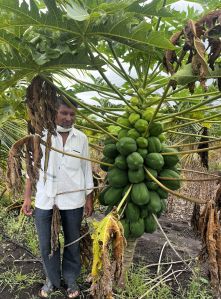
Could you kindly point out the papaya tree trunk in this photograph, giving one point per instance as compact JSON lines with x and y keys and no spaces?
{"x":127,"y":260}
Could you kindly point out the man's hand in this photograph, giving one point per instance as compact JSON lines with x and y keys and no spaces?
{"x":89,"y":206}
{"x":26,"y":207}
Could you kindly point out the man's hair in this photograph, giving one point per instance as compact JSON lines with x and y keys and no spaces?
{"x":60,"y":100}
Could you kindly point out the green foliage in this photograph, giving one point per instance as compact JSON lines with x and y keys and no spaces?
{"x":21,"y":229}
{"x":16,"y":281}
{"x":139,"y":281}
{"x":12,"y":120}
{"x":198,"y":288}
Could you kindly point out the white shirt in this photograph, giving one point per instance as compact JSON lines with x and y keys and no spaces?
{"x":65,"y":174}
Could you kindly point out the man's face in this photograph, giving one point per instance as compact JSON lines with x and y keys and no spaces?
{"x":65,"y":116}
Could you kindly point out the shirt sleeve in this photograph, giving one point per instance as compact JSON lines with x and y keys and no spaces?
{"x":86,"y":168}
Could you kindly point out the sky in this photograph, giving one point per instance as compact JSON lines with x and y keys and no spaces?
{"x":182,"y":5}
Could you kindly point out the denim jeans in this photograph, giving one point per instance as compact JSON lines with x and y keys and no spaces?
{"x":70,"y":266}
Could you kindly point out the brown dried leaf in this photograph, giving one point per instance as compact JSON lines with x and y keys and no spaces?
{"x":108,"y":248}
{"x":215,"y":49}
{"x":195,"y":34}
{"x":37,"y":155}
{"x":14,"y":166}
{"x":211,"y":249}
{"x":41,"y":109}
{"x":29,"y":148}
{"x":211,"y":18}
{"x":170,"y":56}
{"x":211,"y":238}
{"x":191,"y":87}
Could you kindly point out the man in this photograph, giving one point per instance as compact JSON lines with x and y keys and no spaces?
{"x":64,"y":178}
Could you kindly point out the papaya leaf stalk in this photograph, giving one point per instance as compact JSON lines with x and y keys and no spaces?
{"x":173,"y":192}
{"x":124,"y":198}
{"x":76,"y":156}
{"x":192,"y":151}
{"x":189,"y":109}
{"x":194,"y":121}
{"x":194,"y":143}
{"x":108,"y":82}
{"x":92,"y":87}
{"x":124,"y":72}
{"x":190,"y":134}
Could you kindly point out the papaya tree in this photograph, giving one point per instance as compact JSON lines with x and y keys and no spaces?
{"x":160,"y":97}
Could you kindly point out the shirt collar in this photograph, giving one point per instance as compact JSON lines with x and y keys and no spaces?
{"x":73,"y":132}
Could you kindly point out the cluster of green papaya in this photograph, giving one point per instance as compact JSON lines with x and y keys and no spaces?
{"x":139,"y":147}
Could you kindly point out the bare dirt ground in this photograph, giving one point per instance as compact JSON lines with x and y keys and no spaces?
{"x":176,"y":225}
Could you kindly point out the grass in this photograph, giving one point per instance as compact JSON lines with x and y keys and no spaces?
{"x":15,"y":281}
{"x":140,"y":283}
{"x":198,"y":288}
{"x":21,"y":229}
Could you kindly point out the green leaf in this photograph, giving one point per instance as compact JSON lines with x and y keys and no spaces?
{"x":78,"y":60}
{"x":76,"y":12}
{"x":13,"y":41}
{"x":118,"y":27}
{"x":123,"y":30}
{"x":158,"y":39}
{"x":185,"y":75}
{"x":150,"y":9}
{"x":16,"y":76}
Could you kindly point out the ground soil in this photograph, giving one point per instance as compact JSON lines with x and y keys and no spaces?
{"x":148,"y":251}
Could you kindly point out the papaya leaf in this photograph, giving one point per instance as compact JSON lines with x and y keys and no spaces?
{"x":108,"y":248}
{"x":14,"y":78}
{"x":158,"y":39}
{"x":14,"y":61}
{"x":185,"y":75}
{"x":150,"y":9}
{"x":76,"y":12}
{"x":13,"y":41}
{"x":116,"y":27}
{"x":78,"y":60}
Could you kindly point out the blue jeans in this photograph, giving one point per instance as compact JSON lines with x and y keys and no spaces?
{"x":70,"y":267}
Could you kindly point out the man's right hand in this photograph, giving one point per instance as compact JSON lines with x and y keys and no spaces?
{"x":26,"y":207}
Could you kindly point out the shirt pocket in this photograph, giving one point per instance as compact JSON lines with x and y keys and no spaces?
{"x":73,"y":163}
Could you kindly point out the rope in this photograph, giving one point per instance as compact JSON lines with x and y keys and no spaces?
{"x":77,"y":240}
